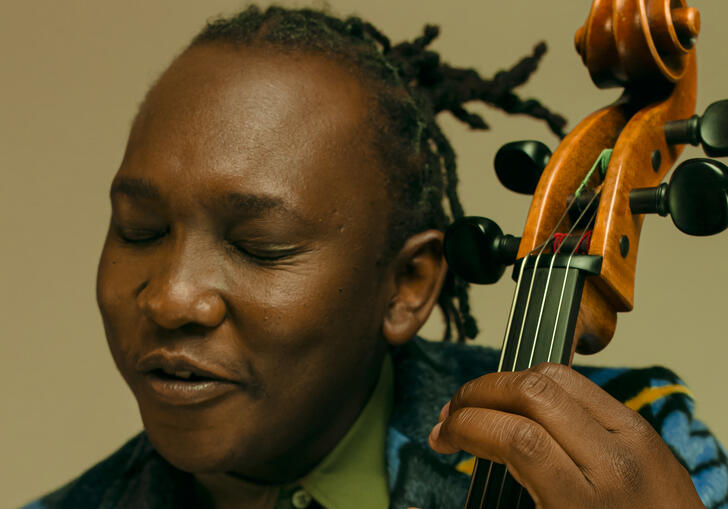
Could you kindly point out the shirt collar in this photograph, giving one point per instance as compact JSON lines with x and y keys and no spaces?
{"x":354,"y":474}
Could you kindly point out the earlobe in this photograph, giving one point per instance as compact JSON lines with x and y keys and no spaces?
{"x":419,"y":272}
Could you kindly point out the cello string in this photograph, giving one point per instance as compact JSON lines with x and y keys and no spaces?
{"x":540,"y":313}
{"x":543,"y":302}
{"x":561,"y":297}
{"x":518,"y":348}
{"x":533,"y":279}
{"x":521,"y":270}
{"x":528,"y":298}
{"x":504,"y":347}
{"x":525,"y":312}
{"x":500,"y":368}
{"x":500,"y":491}
{"x":541,"y":248}
{"x":566,"y":273}
{"x":485,"y":487}
{"x":520,"y":495}
{"x":602,"y":162}
{"x":510,"y":315}
{"x":548,"y":280}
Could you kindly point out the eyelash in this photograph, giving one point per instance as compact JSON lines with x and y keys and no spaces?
{"x":280,"y":256}
{"x":140,"y":236}
{"x":143,"y":237}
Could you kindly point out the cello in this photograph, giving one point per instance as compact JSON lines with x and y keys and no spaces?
{"x":574,"y":264}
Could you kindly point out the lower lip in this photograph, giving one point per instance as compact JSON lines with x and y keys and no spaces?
{"x":179,"y":392}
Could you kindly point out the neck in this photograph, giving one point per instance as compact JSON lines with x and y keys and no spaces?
{"x":224,"y":491}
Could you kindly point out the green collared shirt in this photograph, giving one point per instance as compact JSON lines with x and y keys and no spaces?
{"x":354,"y":474}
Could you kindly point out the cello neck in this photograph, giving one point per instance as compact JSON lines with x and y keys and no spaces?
{"x":544,"y":311}
{"x":540,"y":329}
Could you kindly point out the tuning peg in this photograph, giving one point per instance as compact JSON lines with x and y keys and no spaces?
{"x":696,"y":197}
{"x":519,"y":164}
{"x":710,"y":130}
{"x":477,"y":250}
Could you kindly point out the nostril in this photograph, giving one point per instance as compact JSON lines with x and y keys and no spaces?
{"x":177,"y":307}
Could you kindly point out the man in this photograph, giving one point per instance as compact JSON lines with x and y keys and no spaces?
{"x":275,"y":245}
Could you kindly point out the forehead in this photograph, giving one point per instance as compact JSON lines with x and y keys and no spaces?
{"x":289,"y":125}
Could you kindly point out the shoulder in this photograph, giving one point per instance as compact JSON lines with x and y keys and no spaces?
{"x":657,"y":393}
{"x":450,"y":360}
{"x":427,"y":374}
{"x":663,"y":399}
{"x":134,"y":474}
{"x":95,"y":481}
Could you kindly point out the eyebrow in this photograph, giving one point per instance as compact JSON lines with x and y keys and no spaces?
{"x":252,"y":203}
{"x":234,"y":203}
{"x":135,"y":188}
{"x":249,"y":204}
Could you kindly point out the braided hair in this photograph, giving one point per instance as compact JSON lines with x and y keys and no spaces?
{"x":410,"y":85}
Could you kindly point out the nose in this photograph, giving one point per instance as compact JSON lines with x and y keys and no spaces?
{"x":183,"y":291}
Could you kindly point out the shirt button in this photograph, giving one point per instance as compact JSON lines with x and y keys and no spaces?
{"x":300,"y":499}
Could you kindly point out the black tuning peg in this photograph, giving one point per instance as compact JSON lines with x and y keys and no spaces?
{"x":519,"y":165}
{"x":696,"y":197}
{"x":710,"y":130}
{"x":477,"y":250}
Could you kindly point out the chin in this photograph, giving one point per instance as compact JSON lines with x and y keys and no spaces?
{"x":197,"y":444}
{"x":195,"y":451}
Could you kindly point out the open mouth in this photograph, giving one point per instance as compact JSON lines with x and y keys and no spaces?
{"x":182,"y":376}
{"x":185,"y":388}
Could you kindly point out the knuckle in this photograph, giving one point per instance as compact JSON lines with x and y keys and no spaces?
{"x":465,"y":393}
{"x":552,"y":370}
{"x":528,"y":440}
{"x":639,"y":435}
{"x":536,"y":387}
{"x":460,"y":397}
{"x":627,"y":475}
{"x":456,"y":428}
{"x":639,"y":426}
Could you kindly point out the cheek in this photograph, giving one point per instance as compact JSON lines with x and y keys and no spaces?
{"x":314,"y":339}
{"x":115,"y":289}
{"x":316,"y":306}
{"x":318,"y":325}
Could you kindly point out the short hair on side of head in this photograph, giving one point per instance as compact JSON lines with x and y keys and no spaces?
{"x":410,"y":85}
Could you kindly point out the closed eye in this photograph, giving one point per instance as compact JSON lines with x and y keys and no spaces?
{"x":140,"y":235}
{"x":267,"y":254}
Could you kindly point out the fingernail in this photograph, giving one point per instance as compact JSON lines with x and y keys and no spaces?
{"x":444,"y":412}
{"x":435,"y":433}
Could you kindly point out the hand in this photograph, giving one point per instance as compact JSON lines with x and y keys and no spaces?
{"x":567,"y":441}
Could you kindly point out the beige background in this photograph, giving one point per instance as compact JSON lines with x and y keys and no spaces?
{"x":72,"y":74}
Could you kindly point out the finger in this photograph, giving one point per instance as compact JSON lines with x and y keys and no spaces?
{"x":441,"y":446}
{"x":606,"y":410}
{"x":531,"y":454}
{"x":538,"y":398}
{"x":444,"y":412}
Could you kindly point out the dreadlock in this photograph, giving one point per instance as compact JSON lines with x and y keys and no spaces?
{"x":411,"y":86}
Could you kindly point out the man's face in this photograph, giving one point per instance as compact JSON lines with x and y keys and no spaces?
{"x":247,"y":228}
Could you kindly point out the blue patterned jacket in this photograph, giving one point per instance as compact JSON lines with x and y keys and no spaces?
{"x":426,"y":374}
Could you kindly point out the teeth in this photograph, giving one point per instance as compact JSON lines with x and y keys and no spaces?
{"x":183,"y":374}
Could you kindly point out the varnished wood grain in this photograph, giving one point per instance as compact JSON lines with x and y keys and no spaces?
{"x":659,"y":75}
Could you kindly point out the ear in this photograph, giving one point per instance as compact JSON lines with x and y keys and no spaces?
{"x":419,"y":271}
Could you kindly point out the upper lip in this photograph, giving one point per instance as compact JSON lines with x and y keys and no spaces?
{"x":172,"y":362}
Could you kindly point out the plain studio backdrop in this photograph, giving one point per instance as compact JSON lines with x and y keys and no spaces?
{"x":73,"y":74}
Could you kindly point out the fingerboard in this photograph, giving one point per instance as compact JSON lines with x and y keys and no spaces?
{"x":541,"y":328}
